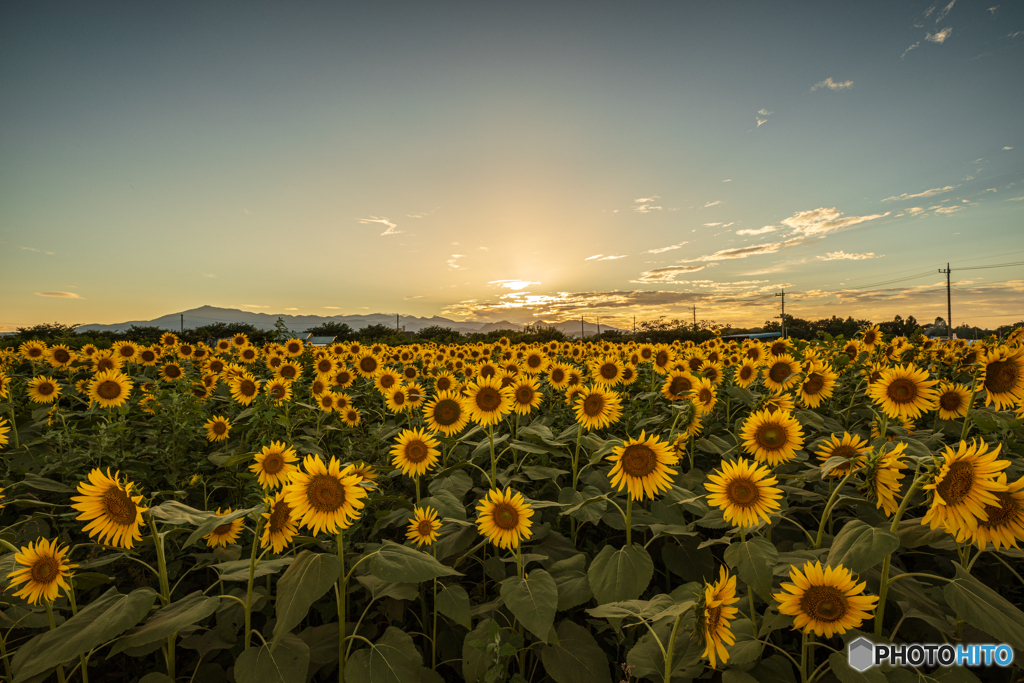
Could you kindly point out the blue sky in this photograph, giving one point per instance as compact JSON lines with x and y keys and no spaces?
{"x":518,"y":161}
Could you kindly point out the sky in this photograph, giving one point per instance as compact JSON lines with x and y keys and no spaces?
{"x":512,"y":161}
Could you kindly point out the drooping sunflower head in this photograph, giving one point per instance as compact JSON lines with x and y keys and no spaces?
{"x":745,"y":492}
{"x":1003,"y":378}
{"x":325,"y":497}
{"x":851,"y":447}
{"x":714,"y":612}
{"x":904,"y":392}
{"x":597,"y":407}
{"x":280,"y":525}
{"x":504,"y":518}
{"x":5,"y":427}
{"x":423,"y":526}
{"x":415,"y":453}
{"x":1004,"y":525}
{"x":110,"y":389}
{"x":641,"y":465}
{"x":487,"y":401}
{"x":115,"y":513}
{"x":274,"y":465}
{"x":772,"y":438}
{"x":966,"y":483}
{"x":225,"y":534}
{"x":824,"y":601}
{"x":43,"y":568}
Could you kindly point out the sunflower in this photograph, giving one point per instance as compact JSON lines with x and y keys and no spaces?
{"x":250,"y":354}
{"x":597,"y":407}
{"x":104,"y":361}
{"x":147,"y":357}
{"x":171,"y":372}
{"x":1005,"y":523}
{"x":88,"y":350}
{"x":115,"y":513}
{"x":33,"y":350}
{"x":366,"y":473}
{"x":744,"y":491}
{"x":872,"y":335}
{"x":274,"y":464}
{"x":882,"y":475}
{"x":904,"y":392}
{"x":826,"y":601}
{"x":526,"y":395}
{"x":704,"y":395}
{"x":712,"y":371}
{"x":423,"y":526}
{"x":351,"y":417}
{"x":397,"y":399}
{"x":558,"y":376}
{"x":641,"y":466}
{"x":487,"y":401}
{"x":60,"y":356}
{"x":663,"y":357}
{"x":110,"y":389}
{"x":772,"y":438}
{"x":1003,"y":377}
{"x":5,"y":385}
{"x":851,"y":349}
{"x":873,"y":372}
{"x":504,"y":518}
{"x":444,"y":381}
{"x":415,"y":453}
{"x":326,"y":401}
{"x":781,"y":373}
{"x":606,"y":371}
{"x":225,"y":534}
{"x":851,"y":447}
{"x":678,"y":385}
{"x":953,"y":400}
{"x":294,"y":347}
{"x":4,"y":428}
{"x":43,"y":568}
{"x":386,"y":381}
{"x":279,"y":390}
{"x":818,"y":385}
{"x":217,"y":428}
{"x":714,"y":615}
{"x":244,"y":388}
{"x":535,"y":361}
{"x":342,"y":378}
{"x":446,"y":413}
{"x":746,"y":374}
{"x":324,"y":365}
{"x":415,"y":395}
{"x":43,"y":390}
{"x":629,"y":374}
{"x":342,"y":401}
{"x":368,"y":365}
{"x":964,"y":485}
{"x":325,"y":497}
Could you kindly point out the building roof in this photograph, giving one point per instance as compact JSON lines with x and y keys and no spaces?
{"x":319,"y":341}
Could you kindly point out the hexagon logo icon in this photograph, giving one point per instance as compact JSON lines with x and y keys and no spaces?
{"x":861,"y":654}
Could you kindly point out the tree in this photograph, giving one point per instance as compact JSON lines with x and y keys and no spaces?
{"x":46,"y":331}
{"x":332,"y":328}
{"x":439,"y":335}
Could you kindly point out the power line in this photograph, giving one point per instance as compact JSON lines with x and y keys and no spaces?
{"x":995,"y":265}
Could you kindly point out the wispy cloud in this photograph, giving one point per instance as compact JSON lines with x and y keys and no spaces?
{"x":727,"y":180}
{"x":1004,"y":149}
{"x":927,"y":193}
{"x":1015,"y":199}
{"x":662,"y":250}
{"x":917,"y":44}
{"x":333,"y":308}
{"x":421,"y":214}
{"x":714,"y":203}
{"x":832,"y":85}
{"x":946,"y":209}
{"x":41,"y":251}
{"x":410,"y":298}
{"x":668,"y":275}
{"x":738,"y":252}
{"x":843,"y":256}
{"x":252,"y":306}
{"x":515,"y":285}
{"x":823,"y":221}
{"x":602,"y":257}
{"x":383,"y":221}
{"x":762,"y":116}
{"x":759,"y":231}
{"x":945,"y":10}
{"x":646,"y":200}
{"x":291,"y":308}
{"x":453,"y":261}
{"x":940,"y":36}
{"x":646,"y":208}
{"x":60,"y":295}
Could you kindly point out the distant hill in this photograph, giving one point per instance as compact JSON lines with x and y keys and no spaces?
{"x":207,"y":315}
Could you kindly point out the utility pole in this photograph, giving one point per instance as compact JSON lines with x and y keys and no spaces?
{"x":583,"y":333}
{"x":694,"y":318}
{"x":183,"y":323}
{"x":634,"y":324}
{"x":949,"y":303}
{"x":783,"y":316}
{"x":599,"y":327}
{"x":396,"y":322}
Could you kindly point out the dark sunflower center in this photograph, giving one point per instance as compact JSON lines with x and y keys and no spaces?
{"x":779,"y":372}
{"x":1005,"y":513}
{"x":325,"y":493}
{"x":593,"y":405}
{"x":45,"y":569}
{"x":280,"y":516}
{"x":824,"y":603}
{"x":778,"y":348}
{"x":679,"y":385}
{"x":118,"y":507}
{"x":957,"y":483}
{"x":62,"y":356}
{"x":557,"y":375}
{"x":172,"y":371}
{"x":127,"y":351}
{"x":277,"y":392}
{"x":368,"y":364}
{"x":711,"y":374}
{"x":742,"y":492}
{"x":771,"y":436}
{"x":219,"y":428}
{"x":1001,"y":376}
{"x":273,"y":463}
{"x":524,"y":395}
{"x":488,"y":399}
{"x":327,"y":401}
{"x":288,"y":371}
{"x":35,"y":353}
{"x":705,"y":396}
{"x":950,"y":401}
{"x":746,"y":372}
{"x":443,"y":384}
{"x":870,"y":338}
{"x":694,"y":364}
{"x":814,"y":384}
{"x":638,"y":460}
{"x":487,"y":371}
{"x":661,"y":360}
{"x":276,"y":362}
{"x":247,"y":387}
{"x":323,"y":365}
{"x":387,"y":381}
{"x":222,"y":530}
{"x":609,"y":370}
{"x":149,"y":356}
{"x":425,"y":528}
{"x":901,"y":390}
{"x":416,"y":451}
{"x":399,"y":398}
{"x":506,"y":517}
{"x":712,"y":617}
{"x":108,"y":389}
{"x":294,"y":348}
{"x":846,"y":451}
{"x":45,"y":389}
{"x":534,"y":361}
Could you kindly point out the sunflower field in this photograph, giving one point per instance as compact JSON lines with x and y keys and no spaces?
{"x":581,"y":512}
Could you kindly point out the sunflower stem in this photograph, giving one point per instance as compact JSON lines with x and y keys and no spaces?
{"x":53,"y":625}
{"x":671,"y":647}
{"x":970,"y":404}
{"x":494,"y":462}
{"x":14,"y":433}
{"x":84,"y":659}
{"x":803,"y":657}
{"x":433,"y":640}
{"x":629,"y":520}
{"x":576,"y":457}
{"x":883,"y":585}
{"x":341,"y":589}
{"x":828,"y":507}
{"x":853,"y":398}
{"x":252,"y":575}
{"x":165,"y":591}
{"x":417,"y":480}
{"x":3,"y":655}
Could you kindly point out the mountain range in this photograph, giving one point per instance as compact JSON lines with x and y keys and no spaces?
{"x":208,"y":315}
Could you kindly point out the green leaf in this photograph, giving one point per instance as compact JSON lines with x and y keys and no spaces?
{"x":538,"y":473}
{"x":859,"y":546}
{"x":446,"y":504}
{"x":617,"y":575}
{"x":402,"y":564}
{"x":659,"y":607}
{"x":985,"y":609}
{"x":208,"y":525}
{"x":774,"y":669}
{"x":687,"y":561}
{"x":577,"y":658}
{"x":381,"y":589}
{"x":572,"y":581}
{"x":392,"y":659}
{"x":156,"y":677}
{"x":307,"y":579}
{"x":238,"y":570}
{"x":103,"y":619}
{"x":647,"y":661}
{"x":475,"y":659}
{"x":533,"y":601}
{"x":839,"y":661}
{"x":191,"y":609}
{"x":457,"y":483}
{"x":754,"y":561}
{"x":174,"y":512}
{"x":747,"y":648}
{"x":453,"y":602}
{"x":286,"y":663}
{"x":44,"y":484}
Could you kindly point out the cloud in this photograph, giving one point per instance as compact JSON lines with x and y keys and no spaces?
{"x":383,"y":221}
{"x":513,"y":284}
{"x":664,"y":249}
{"x":727,"y":180}
{"x":909,"y":49}
{"x":941,"y":36}
{"x":50,"y":253}
{"x":762,"y":116}
{"x":646,"y":208}
{"x":252,"y":306}
{"x":945,"y":11}
{"x":823,"y":221}
{"x":646,"y":200}
{"x":927,"y":193}
{"x":711,"y":225}
{"x":946,"y":209}
{"x":291,"y":308}
{"x":60,"y":295}
{"x":759,"y":231}
{"x":915,"y":210}
{"x":1015,"y":199}
{"x":714,"y":203}
{"x":418,"y":296}
{"x":333,"y":308}
{"x":602,"y":257}
{"x":453,"y":261}
{"x":843,"y":256}
{"x":832,"y":85}
{"x":668,"y":274}
{"x":1004,"y":149}
{"x":738,"y":252}
{"x":595,"y":256}
{"x":421,"y":214}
